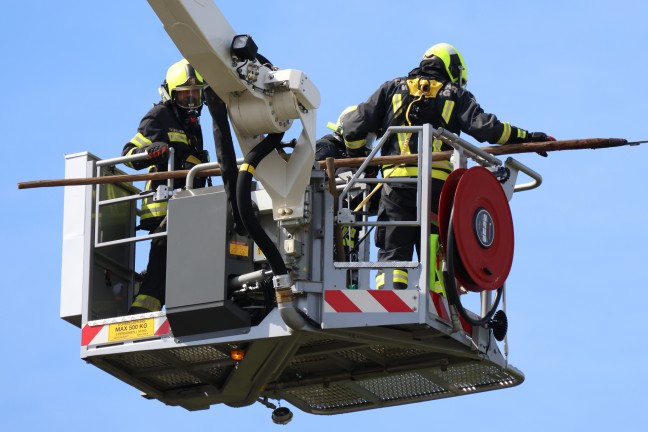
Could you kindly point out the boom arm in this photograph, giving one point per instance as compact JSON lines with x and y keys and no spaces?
{"x":261,"y":99}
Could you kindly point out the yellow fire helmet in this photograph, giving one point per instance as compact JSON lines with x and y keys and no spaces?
{"x":184,"y":85}
{"x":451,"y":59}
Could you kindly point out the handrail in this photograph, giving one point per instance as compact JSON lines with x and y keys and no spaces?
{"x":203,"y":167}
{"x":537,"y":178}
{"x":99,"y":165}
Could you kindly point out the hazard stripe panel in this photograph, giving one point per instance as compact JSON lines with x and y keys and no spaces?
{"x":124,"y":329}
{"x":353,"y":301}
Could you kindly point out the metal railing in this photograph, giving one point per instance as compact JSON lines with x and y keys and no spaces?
{"x":426,"y":136}
{"x":102,"y":166}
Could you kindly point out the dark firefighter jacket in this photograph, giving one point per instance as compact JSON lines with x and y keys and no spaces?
{"x":418,"y":99}
{"x":164,"y":124}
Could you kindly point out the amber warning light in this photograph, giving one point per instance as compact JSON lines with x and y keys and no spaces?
{"x":237,"y":355}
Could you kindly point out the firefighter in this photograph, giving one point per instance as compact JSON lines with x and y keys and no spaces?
{"x":172,"y":123}
{"x":434,"y":93}
{"x":332,"y":145}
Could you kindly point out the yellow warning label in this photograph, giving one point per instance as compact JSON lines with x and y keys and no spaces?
{"x":239,"y":249}
{"x":131,"y":330}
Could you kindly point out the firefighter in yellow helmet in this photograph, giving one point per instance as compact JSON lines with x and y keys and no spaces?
{"x":174,"y":122}
{"x":434,"y":92}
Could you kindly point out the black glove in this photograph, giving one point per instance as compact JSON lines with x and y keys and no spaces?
{"x":540,"y":137}
{"x":158,"y":153}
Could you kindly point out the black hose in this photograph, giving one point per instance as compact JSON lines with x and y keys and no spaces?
{"x":246,"y":209}
{"x":225,"y":153}
{"x":451,"y":285}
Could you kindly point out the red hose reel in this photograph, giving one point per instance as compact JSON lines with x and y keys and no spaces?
{"x":482,"y":226}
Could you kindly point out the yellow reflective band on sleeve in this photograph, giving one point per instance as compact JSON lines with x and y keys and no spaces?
{"x":522,"y":134}
{"x":400,"y":276}
{"x":178,"y":137}
{"x":247,"y":167}
{"x":140,"y":140}
{"x":354,"y":145}
{"x":193,"y":160}
{"x":506,"y":134}
{"x":447,"y":110}
{"x":147,"y":302}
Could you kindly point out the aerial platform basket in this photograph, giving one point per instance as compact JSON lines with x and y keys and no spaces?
{"x":222,"y":338}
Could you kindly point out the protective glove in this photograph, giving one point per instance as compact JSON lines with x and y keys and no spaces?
{"x":540,"y":137}
{"x":158,"y":153}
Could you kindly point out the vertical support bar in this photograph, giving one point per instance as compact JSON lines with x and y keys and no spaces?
{"x":425,"y":189}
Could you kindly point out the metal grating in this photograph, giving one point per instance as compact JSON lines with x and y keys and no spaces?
{"x":470,"y":377}
{"x":173,"y":379}
{"x":354,"y":356}
{"x":198,"y":354}
{"x":333,"y":396}
{"x":308,"y":359}
{"x":396,"y":352}
{"x":139,"y":361}
{"x":402,"y":386}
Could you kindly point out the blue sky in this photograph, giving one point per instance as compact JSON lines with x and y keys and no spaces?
{"x":78,"y":76}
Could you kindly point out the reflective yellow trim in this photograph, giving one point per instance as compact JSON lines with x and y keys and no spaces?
{"x":155,"y":209}
{"x":521,"y":133}
{"x":440,"y":175}
{"x":380,"y":280}
{"x":397,"y":103}
{"x":441,"y":172}
{"x":140,"y":140}
{"x":506,"y":134}
{"x":193,"y":160}
{"x":178,"y":137}
{"x":247,"y":167}
{"x":147,"y":302}
{"x":448,"y":106}
{"x":400,"y":172}
{"x":354,"y":145}
{"x":400,"y":276}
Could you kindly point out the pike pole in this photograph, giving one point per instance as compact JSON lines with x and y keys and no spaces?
{"x":548,"y":146}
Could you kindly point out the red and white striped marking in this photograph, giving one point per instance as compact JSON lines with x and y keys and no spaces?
{"x":345,"y":301}
{"x":107,"y":331}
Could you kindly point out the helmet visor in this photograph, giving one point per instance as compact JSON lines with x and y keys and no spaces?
{"x":188,"y":97}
